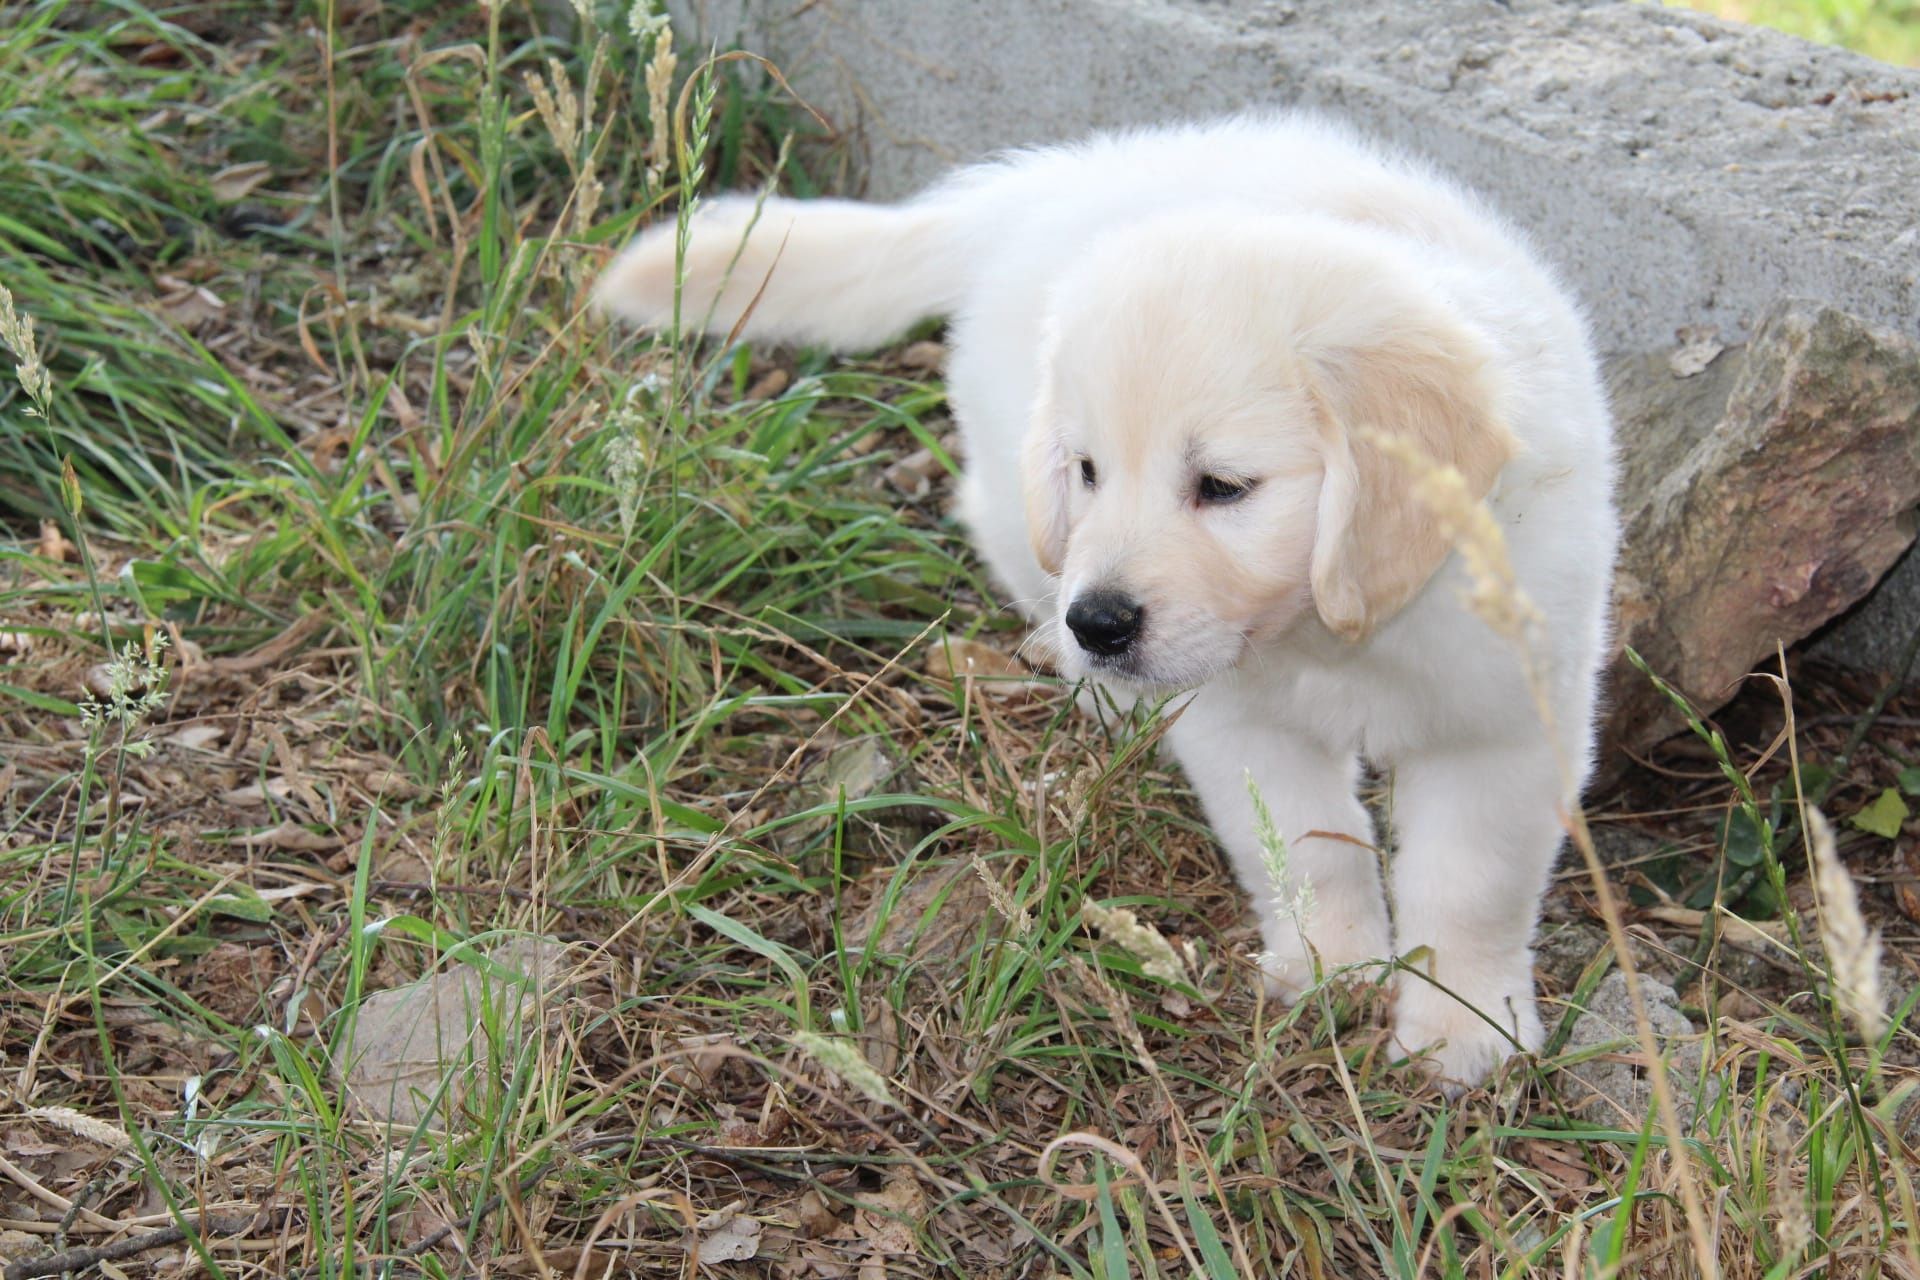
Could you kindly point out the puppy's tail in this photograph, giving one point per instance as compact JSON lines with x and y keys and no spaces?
{"x":836,"y":272}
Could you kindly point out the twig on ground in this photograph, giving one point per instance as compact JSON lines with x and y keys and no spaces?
{"x":80,"y":1259}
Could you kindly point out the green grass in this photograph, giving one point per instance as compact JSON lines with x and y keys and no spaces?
{"x":1885,"y":29}
{"x":484,"y":623}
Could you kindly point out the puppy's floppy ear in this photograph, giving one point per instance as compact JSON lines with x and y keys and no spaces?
{"x":1413,"y":369}
{"x":1046,"y":475}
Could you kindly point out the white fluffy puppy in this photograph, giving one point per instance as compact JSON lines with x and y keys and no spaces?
{"x":1168,"y":350}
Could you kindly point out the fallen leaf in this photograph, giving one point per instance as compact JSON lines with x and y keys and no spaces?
{"x":53,"y":543}
{"x":769,"y":385}
{"x":997,"y":674}
{"x":887,"y":1221}
{"x":1907,"y":892}
{"x":291,"y":835}
{"x":236,"y":181}
{"x":391,"y":784}
{"x":728,"y":1235}
{"x":925,"y":357}
{"x":283,"y":892}
{"x":1884,"y":816}
{"x":408,"y":1039}
{"x":195,"y":737}
{"x":956,"y":656}
{"x":188,"y":305}
{"x":701,"y":1058}
{"x":914,"y":474}
{"x":815,"y":1214}
{"x":257,"y":793}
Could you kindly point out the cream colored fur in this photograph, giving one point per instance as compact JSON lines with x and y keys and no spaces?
{"x":1240,"y":300}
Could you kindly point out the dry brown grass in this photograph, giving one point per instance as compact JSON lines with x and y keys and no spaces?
{"x":822,"y":874}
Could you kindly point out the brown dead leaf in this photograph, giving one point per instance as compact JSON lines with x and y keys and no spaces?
{"x":909,"y":923}
{"x":292,"y":836}
{"x":408,"y":1039}
{"x":914,"y":474}
{"x":889,"y":1221}
{"x":417,"y":174}
{"x":955,"y":656}
{"x":237,"y":181}
{"x":769,"y":384}
{"x":815,"y":1214}
{"x":329,"y":448}
{"x":729,"y":1234}
{"x":390,"y":784}
{"x":923,"y":357}
{"x":700,"y":1059}
{"x":996,"y":674}
{"x":187,"y":304}
{"x":1559,"y":1162}
{"x":196,"y":737}
{"x":1907,"y":892}
{"x":255,"y":793}
{"x":53,"y":543}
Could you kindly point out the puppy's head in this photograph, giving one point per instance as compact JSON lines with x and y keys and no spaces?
{"x":1196,"y":474}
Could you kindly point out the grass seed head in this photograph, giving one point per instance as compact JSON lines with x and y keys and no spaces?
{"x":1004,"y":903}
{"x":16,"y":332}
{"x":1297,"y":905}
{"x":1853,"y":949}
{"x":135,"y":687}
{"x":844,"y":1059}
{"x":1138,"y":939}
{"x":660,"y":68}
{"x":1495,"y":596}
{"x":559,"y":108}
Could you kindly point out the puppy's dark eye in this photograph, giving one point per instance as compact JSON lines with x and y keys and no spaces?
{"x":1218,"y":490}
{"x":1088,"y":476}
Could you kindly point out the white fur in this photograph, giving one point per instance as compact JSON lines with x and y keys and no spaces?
{"x":1212,"y":297}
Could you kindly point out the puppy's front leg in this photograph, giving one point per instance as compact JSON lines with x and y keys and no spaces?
{"x":1478,"y":835}
{"x":1327,"y":832}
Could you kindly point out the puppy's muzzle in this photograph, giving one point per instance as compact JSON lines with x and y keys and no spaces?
{"x":1104,"y":622}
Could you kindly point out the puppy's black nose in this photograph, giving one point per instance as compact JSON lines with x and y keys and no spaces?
{"x":1104,"y":622}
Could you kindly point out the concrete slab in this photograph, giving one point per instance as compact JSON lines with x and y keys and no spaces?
{"x":1683,"y":173}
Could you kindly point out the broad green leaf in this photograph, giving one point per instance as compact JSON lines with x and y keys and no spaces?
{"x":1884,"y":816}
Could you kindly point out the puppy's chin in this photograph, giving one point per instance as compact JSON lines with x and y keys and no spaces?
{"x":1151,"y":668}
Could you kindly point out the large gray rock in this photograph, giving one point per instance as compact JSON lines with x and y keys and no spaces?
{"x":1684,"y":174}
{"x":1612,"y":1085}
{"x":1782,"y":516}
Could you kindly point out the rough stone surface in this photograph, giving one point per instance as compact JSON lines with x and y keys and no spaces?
{"x":1782,"y":516}
{"x":1613,"y":1088}
{"x":1683,"y":173}
{"x":1563,"y":951}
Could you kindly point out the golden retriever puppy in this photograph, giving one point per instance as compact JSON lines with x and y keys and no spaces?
{"x":1171,"y":353}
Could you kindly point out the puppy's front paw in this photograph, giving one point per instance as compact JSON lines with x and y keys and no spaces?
{"x":1452,"y":1040}
{"x":1338,"y":938}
